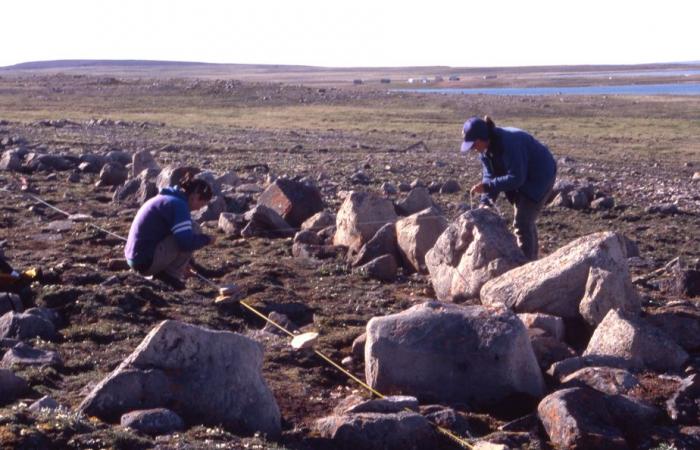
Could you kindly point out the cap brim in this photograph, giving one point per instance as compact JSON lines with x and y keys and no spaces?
{"x":466,"y":146}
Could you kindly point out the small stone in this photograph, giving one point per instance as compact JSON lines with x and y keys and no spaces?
{"x":154,"y":422}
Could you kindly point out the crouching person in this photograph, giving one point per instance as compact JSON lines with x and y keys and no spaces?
{"x":163,"y":236}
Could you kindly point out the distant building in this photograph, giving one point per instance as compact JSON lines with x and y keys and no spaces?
{"x":438,"y":78}
{"x":490,"y":77}
{"x":453,"y":78}
{"x":411,"y":80}
{"x":386,"y":81}
{"x":357,"y":81}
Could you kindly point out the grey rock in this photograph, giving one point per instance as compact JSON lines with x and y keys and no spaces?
{"x":417,"y":200}
{"x":387,"y":405}
{"x":25,"y":355}
{"x":606,"y":290}
{"x":560,"y":369}
{"x":578,"y":419}
{"x":680,"y":322}
{"x":360,"y":216}
{"x":450,"y":187}
{"x":382,"y":268}
{"x":113,"y":174}
{"x":207,"y":377}
{"x":127,"y":191}
{"x":360,"y":177}
{"x":445,"y":352}
{"x":118,"y":156}
{"x":156,"y":421}
{"x":55,"y":162}
{"x":11,"y":387}
{"x":211,"y":180}
{"x":663,"y":209}
{"x":608,"y":380}
{"x":639,"y":344}
{"x":358,"y":346}
{"x":603,"y":203}
{"x":238,"y":203}
{"x":374,"y":431}
{"x":25,"y":326}
{"x":319,"y":221}
{"x":231,"y":224}
{"x":382,"y":243}
{"x":264,"y":222}
{"x":44,"y":402}
{"x":417,"y":234}
{"x":210,"y":211}
{"x":474,"y":249}
{"x":556,"y":283}
{"x":552,"y":325}
{"x":143,"y":160}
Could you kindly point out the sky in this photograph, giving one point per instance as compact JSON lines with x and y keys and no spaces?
{"x":370,"y":33}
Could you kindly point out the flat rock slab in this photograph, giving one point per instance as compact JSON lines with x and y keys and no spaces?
{"x":448,"y":353}
{"x":207,"y":377}
{"x":608,"y":380}
{"x":155,"y":421}
{"x":376,"y":431}
{"x":25,"y":355}
{"x":556,"y":283}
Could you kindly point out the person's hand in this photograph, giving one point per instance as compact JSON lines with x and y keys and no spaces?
{"x":479,"y":188}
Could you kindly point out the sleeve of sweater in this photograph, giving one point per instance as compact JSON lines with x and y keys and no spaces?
{"x":181,"y":227}
{"x":487,"y":177}
{"x":514,"y":162}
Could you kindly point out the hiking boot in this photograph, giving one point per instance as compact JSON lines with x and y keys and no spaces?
{"x":172,"y":281}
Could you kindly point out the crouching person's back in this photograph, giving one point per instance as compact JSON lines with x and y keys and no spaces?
{"x":163,"y":236}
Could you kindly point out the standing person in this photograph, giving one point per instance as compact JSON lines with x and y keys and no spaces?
{"x":163,"y":236}
{"x":517,"y":164}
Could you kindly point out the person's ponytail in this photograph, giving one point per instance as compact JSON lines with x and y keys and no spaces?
{"x":491,"y":125}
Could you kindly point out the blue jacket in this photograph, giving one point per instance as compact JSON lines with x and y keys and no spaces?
{"x":518,"y":164}
{"x":165,"y":214}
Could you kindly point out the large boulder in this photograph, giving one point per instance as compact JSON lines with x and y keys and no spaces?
{"x":141,"y":161}
{"x":449,"y":353}
{"x":556,"y":283}
{"x":635,"y":342}
{"x":24,"y":355}
{"x":360,"y":216}
{"x":474,"y":249}
{"x":416,"y":235}
{"x":206,"y":377}
{"x":417,"y":200}
{"x":293,"y":200}
{"x":382,"y":268}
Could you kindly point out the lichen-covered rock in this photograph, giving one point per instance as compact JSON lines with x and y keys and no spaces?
{"x":450,"y":353}
{"x":638,"y":344}
{"x":207,"y":377}
{"x":556,"y":283}
{"x":416,"y":235}
{"x":474,"y":249}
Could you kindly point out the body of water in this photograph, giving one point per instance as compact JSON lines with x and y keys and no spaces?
{"x":629,"y":89}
